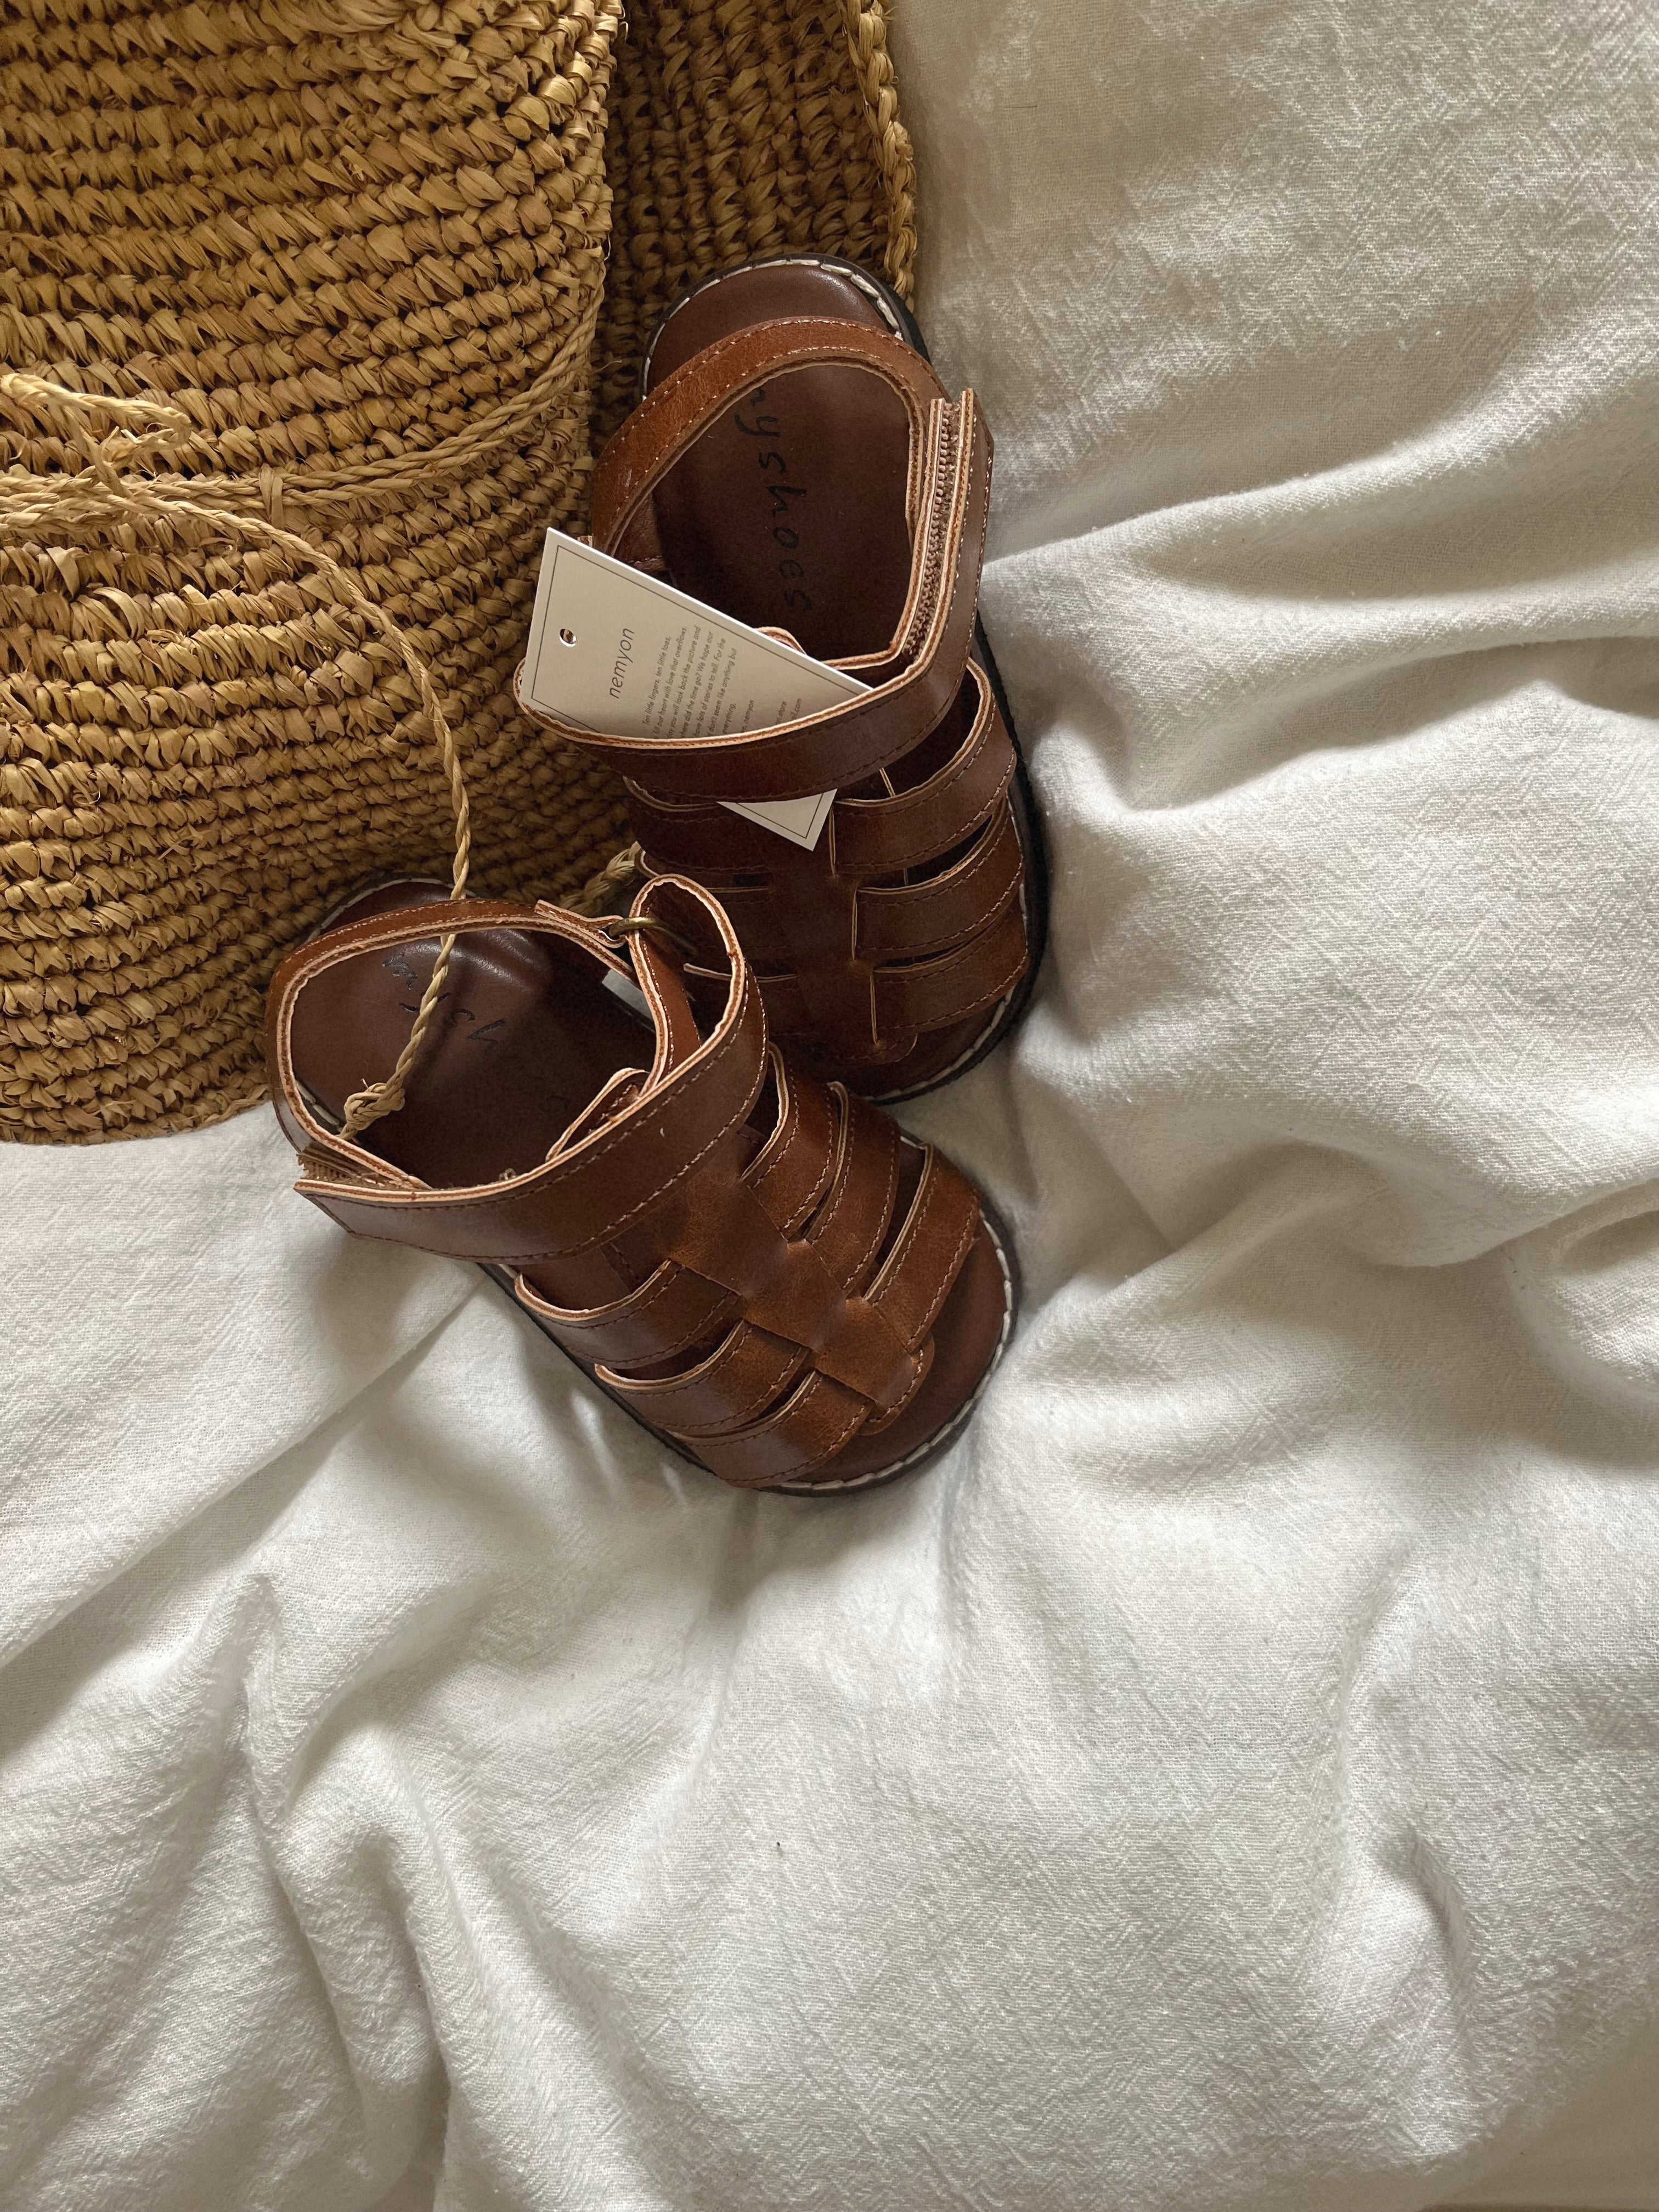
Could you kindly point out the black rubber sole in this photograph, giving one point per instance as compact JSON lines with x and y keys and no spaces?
{"x":1033,"y":840}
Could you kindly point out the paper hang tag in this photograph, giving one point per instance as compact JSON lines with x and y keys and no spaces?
{"x":613,"y":650}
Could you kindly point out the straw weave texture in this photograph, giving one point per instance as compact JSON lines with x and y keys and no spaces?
{"x":352,"y":257}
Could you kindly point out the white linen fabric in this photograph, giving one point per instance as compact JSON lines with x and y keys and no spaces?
{"x":1228,"y":1785}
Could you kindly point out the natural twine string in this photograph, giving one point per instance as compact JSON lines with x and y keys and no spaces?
{"x":413,"y":472}
{"x":105,"y":491}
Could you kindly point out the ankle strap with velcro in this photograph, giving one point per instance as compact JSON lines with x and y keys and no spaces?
{"x":914,"y":685}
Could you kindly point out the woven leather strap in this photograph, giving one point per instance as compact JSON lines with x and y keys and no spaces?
{"x":786,"y":1379}
{"x":909,"y":917}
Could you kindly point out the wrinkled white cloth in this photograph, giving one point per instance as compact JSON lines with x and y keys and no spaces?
{"x":1229,"y":1783}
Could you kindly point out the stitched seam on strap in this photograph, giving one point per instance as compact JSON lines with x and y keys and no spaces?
{"x":787,"y":1133}
{"x":762,"y":1395}
{"x":628,"y":1312}
{"x":954,"y":1427}
{"x":940,"y":888}
{"x":915,"y":898}
{"x":890,"y":1413}
{"x":687,"y":1337}
{"x":934,"y":961}
{"x":884,"y":1211}
{"x":650,"y":1102}
{"x":711,"y":356}
{"x":799,"y":1135}
{"x":818,"y":1189}
{"x":859,"y":1416}
{"x":705,"y":1370}
{"x":958,"y":957}
{"x":803,"y":1466}
{"x":865,"y":713}
{"x":776,"y":1166}
{"x":983,"y":994}
{"x":948,"y":1272}
{"x":923,"y":797}
{"x":843,"y":1194}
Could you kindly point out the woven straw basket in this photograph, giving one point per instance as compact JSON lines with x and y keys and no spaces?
{"x":347,"y":288}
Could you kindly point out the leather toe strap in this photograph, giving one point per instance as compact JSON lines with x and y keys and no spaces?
{"x":859,"y":967}
{"x":839,"y":1336}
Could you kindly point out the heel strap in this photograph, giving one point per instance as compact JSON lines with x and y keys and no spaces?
{"x":581,"y":1197}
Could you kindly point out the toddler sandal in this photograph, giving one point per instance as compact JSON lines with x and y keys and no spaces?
{"x":797,"y":463}
{"x":763,"y":1270}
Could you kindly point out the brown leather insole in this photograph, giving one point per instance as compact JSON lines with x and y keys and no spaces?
{"x":789,"y":510}
{"x":525,"y":1038}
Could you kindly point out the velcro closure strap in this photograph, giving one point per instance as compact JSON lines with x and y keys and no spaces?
{"x":842,"y":745}
{"x":669,"y":421}
{"x":583,"y":1196}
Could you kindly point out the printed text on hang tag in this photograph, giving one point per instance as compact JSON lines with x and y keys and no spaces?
{"x":613,"y":650}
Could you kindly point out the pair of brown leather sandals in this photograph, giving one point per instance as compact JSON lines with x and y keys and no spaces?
{"x":727,"y":1233}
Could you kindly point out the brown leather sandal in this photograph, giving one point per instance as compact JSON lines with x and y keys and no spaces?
{"x":797,"y":463}
{"x":764,"y":1271}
